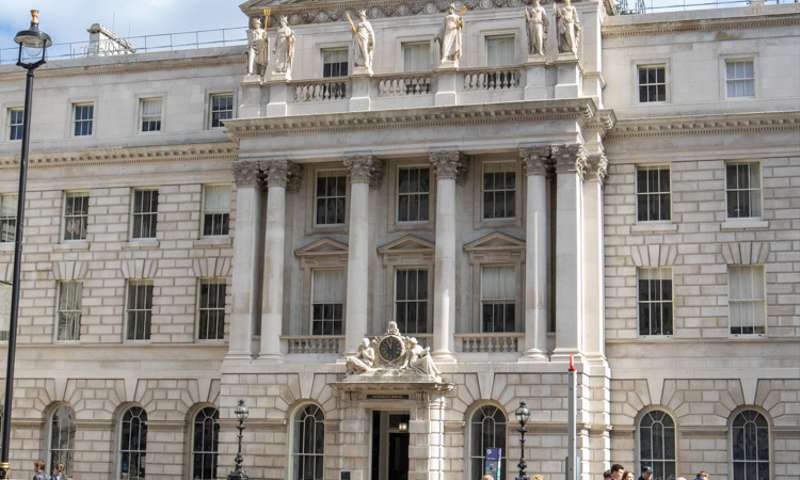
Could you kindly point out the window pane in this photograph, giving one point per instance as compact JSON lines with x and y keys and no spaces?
{"x":417,"y":57}
{"x":500,"y":50}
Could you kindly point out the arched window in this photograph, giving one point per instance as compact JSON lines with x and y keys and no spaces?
{"x":133,"y":444}
{"x":205,"y":444}
{"x":657,"y":444}
{"x":308,"y":444}
{"x":750,"y":446}
{"x":62,"y":438}
{"x":487,"y":430}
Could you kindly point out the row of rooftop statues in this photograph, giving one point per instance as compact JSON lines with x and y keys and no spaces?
{"x":279,"y":61}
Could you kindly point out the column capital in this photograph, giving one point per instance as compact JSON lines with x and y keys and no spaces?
{"x":282,"y":173}
{"x":597,"y":167}
{"x":536,"y":160}
{"x":246,"y":173}
{"x":449,"y":164}
{"x":569,"y":158}
{"x":364,"y":169}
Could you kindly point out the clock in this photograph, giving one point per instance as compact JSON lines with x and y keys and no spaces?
{"x":391,"y":348}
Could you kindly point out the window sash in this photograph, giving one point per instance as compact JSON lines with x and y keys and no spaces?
{"x":211,"y":310}
{"x":335,"y":62}
{"x":62,"y":438}
{"x":308,"y":444}
{"x":151,"y":114}
{"x":500,"y":50}
{"x":69,"y":311}
{"x":139,"y":311}
{"x":740,"y":78}
{"x":221,"y":109}
{"x":133,"y":445}
{"x":653,"y":195}
{"x":488,"y":429}
{"x":411,"y":300}
{"x":743,"y":190}
{"x":8,"y":218}
{"x":413,"y":194}
{"x":657,"y":444}
{"x":417,"y":57}
{"x":83,"y":117}
{"x":747,"y":300}
{"x":16,"y":119}
{"x":499,"y":191}
{"x":145,"y":214}
{"x":652,"y":83}
{"x":750,"y":446}
{"x":327,"y":302}
{"x":205,"y":444}
{"x":216,"y":207}
{"x":5,"y":311}
{"x":654,"y":302}
{"x":330,"y":200}
{"x":76,"y":216}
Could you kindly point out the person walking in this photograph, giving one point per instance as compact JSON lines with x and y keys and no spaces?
{"x":647,"y":473}
{"x":58,"y":472}
{"x":617,"y":471}
{"x":701,"y":475}
{"x":38,"y":470}
{"x":628,"y":475}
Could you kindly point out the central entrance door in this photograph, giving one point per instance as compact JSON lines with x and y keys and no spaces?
{"x":389,"y":445}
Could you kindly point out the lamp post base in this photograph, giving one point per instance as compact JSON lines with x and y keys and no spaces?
{"x":238,"y":476}
{"x":5,"y":470}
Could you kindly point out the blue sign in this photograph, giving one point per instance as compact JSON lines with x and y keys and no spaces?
{"x":494,"y":464}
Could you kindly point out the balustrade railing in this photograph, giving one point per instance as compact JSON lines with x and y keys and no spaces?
{"x":320,"y":90}
{"x":315,"y":344}
{"x":405,"y":85}
{"x":492,"y":79}
{"x":511,"y":342}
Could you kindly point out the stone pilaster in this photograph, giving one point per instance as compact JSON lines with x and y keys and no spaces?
{"x":593,"y":280}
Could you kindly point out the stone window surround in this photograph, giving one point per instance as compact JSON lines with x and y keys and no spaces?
{"x":207,"y":105}
{"x":392,"y":225}
{"x":650,"y":62}
{"x":140,"y":99}
{"x":744,"y":222}
{"x":322,"y":260}
{"x":499,"y":32}
{"x":6,"y":121}
{"x":198,"y":285}
{"x":479,"y":222}
{"x":678,"y":437}
{"x":79,"y":101}
{"x":310,"y":176}
{"x":751,"y":56}
{"x":653,"y":166}
{"x":660,"y":268}
{"x":401,"y":41}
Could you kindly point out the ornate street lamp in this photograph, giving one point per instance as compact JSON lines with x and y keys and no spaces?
{"x":522,"y":415}
{"x":33,"y":44}
{"x":241,"y":413}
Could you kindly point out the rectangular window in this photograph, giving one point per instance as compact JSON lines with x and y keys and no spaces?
{"x":139,"y":310}
{"x":327,"y":302}
{"x":211,"y":324}
{"x":739,"y":78}
{"x":334,"y":62}
{"x":5,"y":310}
{"x":653,"y":201}
{"x":216,"y":210}
{"x":499,"y":190}
{"x":652,"y":83}
{"x":220,"y":109}
{"x":76,"y":215}
{"x":498,"y":299}
{"x":747,"y":300}
{"x":144,"y":214}
{"x":655,"y":301}
{"x":411,"y":300}
{"x":413,"y":194}
{"x":83,"y":118}
{"x":330,"y":199}
{"x":150,"y":109}
{"x":69,"y":311}
{"x":417,"y":57}
{"x":500,"y":50}
{"x":15,"y":121}
{"x":743,"y":190}
{"x":8,"y":217}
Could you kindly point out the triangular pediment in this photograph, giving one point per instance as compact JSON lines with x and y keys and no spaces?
{"x":325,"y":246}
{"x":495,"y":241}
{"x":407,"y":244}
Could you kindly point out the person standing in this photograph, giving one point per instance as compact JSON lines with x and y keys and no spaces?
{"x":38,"y":470}
{"x":58,"y":472}
{"x":647,"y":473}
{"x":701,"y":475}
{"x":617,"y":471}
{"x":628,"y":475}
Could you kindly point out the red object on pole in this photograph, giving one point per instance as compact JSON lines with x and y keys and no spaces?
{"x":571,"y":363}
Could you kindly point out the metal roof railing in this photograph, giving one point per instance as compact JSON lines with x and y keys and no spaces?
{"x":640,"y":7}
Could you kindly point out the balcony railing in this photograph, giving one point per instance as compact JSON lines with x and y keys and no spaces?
{"x":320,"y":90}
{"x":511,"y":342}
{"x":315,"y":344}
{"x":504,"y":78}
{"x":412,"y":84}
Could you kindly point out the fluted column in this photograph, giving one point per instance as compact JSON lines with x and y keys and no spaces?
{"x":245,"y":281}
{"x":536,"y":161}
{"x":570,"y":163}
{"x":447,"y":165}
{"x":363,"y":171}
{"x":593,"y":284}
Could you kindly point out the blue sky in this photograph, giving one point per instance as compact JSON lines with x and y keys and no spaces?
{"x":67,"y":20}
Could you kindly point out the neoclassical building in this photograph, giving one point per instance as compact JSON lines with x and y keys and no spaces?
{"x":478,"y":191}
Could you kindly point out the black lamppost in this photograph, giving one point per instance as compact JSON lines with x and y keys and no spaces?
{"x":522,"y":414}
{"x":241,"y":413}
{"x":33,"y":45}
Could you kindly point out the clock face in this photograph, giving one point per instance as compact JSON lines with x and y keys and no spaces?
{"x":391,"y":348}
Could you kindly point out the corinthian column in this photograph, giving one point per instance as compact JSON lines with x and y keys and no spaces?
{"x":363,"y":170}
{"x":536,"y":161}
{"x":447,"y":165}
{"x":570,"y":162}
{"x":245,"y":272}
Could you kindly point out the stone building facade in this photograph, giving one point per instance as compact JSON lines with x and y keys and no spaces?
{"x":198,"y":234}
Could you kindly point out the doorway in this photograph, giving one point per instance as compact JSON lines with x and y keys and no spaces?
{"x":390,"y":439}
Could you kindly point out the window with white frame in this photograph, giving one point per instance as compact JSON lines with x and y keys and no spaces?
{"x":652,"y":83}
{"x":417,"y":57}
{"x":743,"y":189}
{"x":411,"y":300}
{"x":205,"y":444}
{"x":750,"y":446}
{"x":150,"y":114}
{"x":487,"y":430}
{"x":8,"y":217}
{"x":655,"y":301}
{"x":498,"y":298}
{"x":653,"y":197}
{"x":16,"y":118}
{"x":747,"y":299}
{"x":76,"y":215}
{"x":308,"y":443}
{"x":144,"y":214}
{"x":739,"y":79}
{"x":83,"y":119}
{"x":69,"y":311}
{"x":220,"y":108}
{"x":62,"y":439}
{"x":139,"y":310}
{"x":211,"y":309}
{"x":657,"y":444}
{"x":216,"y":210}
{"x":413,"y":194}
{"x":334,"y":62}
{"x":499,"y":190}
{"x":327,"y":302}
{"x":133,"y":444}
{"x":5,"y":310}
{"x":330,"y":199}
{"x":500,"y":50}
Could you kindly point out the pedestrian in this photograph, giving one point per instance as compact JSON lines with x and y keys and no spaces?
{"x":38,"y":470}
{"x":681,"y":478}
{"x":628,"y":475}
{"x":701,"y":475}
{"x":607,"y":475}
{"x":617,"y":471}
{"x":647,"y":473}
{"x":58,"y":472}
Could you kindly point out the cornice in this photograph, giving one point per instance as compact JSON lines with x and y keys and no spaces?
{"x":583,"y":110}
{"x":705,"y":124}
{"x":666,"y":25}
{"x":121,"y":155}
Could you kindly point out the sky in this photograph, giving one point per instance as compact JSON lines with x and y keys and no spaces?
{"x":67,"y":20}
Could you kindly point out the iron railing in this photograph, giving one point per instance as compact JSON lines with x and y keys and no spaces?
{"x":640,"y":7}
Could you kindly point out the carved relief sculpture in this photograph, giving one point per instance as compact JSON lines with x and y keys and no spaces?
{"x":536,"y":19}
{"x":283,"y":53}
{"x":257,"y":48}
{"x":363,"y":360}
{"x":450,"y":38}
{"x":363,"y":42}
{"x":569,"y":28}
